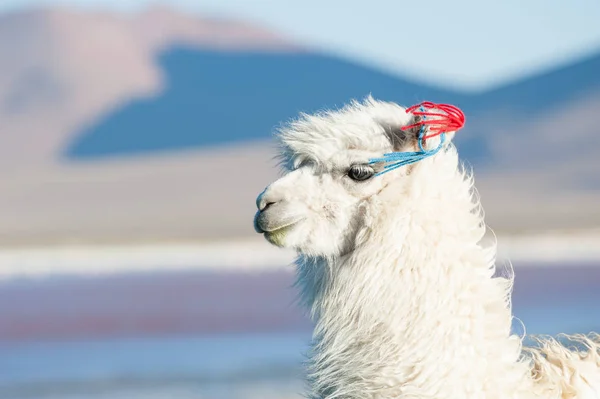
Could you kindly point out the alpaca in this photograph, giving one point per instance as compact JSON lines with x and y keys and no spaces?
{"x":392,"y":271}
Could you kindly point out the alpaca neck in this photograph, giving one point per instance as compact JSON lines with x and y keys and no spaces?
{"x":414,"y":310}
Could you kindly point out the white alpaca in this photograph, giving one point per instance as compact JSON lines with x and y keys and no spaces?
{"x":391,"y":269}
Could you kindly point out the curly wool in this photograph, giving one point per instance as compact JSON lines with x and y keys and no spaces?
{"x":394,"y":275}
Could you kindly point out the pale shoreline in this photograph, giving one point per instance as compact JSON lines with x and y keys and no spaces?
{"x":254,"y":255}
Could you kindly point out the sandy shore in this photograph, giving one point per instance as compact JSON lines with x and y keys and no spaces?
{"x":254,"y":255}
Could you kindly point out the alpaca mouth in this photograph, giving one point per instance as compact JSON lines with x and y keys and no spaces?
{"x":277,"y":236}
{"x":263,"y":227}
{"x":280,"y":229}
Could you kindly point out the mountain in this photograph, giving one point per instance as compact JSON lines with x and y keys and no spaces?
{"x":254,"y":91}
{"x":157,"y":126}
{"x":218,"y":97}
{"x":64,"y":69}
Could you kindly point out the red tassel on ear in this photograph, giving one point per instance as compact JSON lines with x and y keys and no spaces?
{"x":450,"y":120}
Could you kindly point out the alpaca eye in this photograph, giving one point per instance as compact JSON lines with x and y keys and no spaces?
{"x":360,"y":172}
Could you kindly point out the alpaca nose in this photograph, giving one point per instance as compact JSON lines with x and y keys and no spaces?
{"x":263,"y":201}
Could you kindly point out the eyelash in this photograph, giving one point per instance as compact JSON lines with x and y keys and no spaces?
{"x":361,"y":172}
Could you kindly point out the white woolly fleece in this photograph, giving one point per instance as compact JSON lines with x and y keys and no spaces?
{"x":403,"y":296}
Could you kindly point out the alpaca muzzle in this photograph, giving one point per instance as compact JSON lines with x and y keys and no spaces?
{"x":274,"y":217}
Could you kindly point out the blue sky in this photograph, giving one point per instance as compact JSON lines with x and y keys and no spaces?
{"x":470,"y":44}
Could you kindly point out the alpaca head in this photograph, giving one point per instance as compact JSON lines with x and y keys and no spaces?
{"x":330,"y":193}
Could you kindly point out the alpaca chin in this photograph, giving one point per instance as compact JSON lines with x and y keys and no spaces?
{"x":303,"y":240}
{"x":285,"y":236}
{"x":277,"y":237}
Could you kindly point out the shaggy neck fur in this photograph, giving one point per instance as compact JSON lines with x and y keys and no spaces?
{"x":413,"y":311}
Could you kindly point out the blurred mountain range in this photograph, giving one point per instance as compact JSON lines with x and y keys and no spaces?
{"x":157,"y":126}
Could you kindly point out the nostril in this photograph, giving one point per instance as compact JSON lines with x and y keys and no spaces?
{"x":265,"y":205}
{"x":263,"y":202}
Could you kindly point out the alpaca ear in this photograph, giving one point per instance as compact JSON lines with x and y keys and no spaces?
{"x":401,"y":138}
